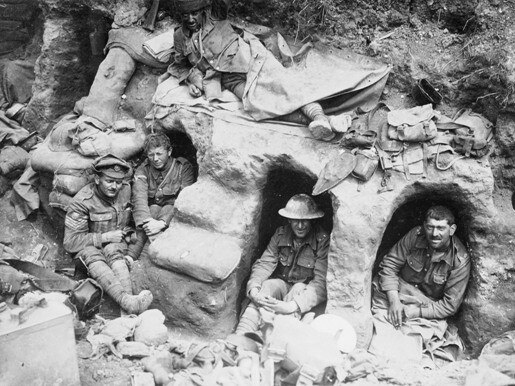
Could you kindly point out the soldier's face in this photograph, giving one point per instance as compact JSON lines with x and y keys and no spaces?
{"x":192,"y":20}
{"x":438,"y":233}
{"x":109,"y":186}
{"x":301,"y":228}
{"x":158,"y":157}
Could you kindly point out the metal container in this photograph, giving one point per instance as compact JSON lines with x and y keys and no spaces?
{"x":41,"y":350}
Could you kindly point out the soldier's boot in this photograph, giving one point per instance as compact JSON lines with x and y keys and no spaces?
{"x":133,"y":304}
{"x":121,"y":271}
{"x":249,"y":321}
{"x":320,"y":127}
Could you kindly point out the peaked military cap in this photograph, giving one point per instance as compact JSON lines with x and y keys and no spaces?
{"x":112,"y":166}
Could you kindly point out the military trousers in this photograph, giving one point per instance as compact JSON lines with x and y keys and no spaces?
{"x":158,"y":213}
{"x":250,"y":320}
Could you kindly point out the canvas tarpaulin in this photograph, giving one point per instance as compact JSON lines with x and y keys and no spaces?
{"x":340,"y":80}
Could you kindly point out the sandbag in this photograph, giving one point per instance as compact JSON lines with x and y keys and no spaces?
{"x":112,"y":77}
{"x":11,"y":133}
{"x":206,"y":256}
{"x":70,"y":184}
{"x":12,"y":158}
{"x":66,"y":162}
{"x":59,"y":200}
{"x":59,"y":138}
{"x":125,"y":144}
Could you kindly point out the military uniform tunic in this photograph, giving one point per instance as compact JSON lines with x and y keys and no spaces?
{"x":89,"y":215}
{"x":304,"y":263}
{"x":159,"y":188}
{"x":443,"y":279}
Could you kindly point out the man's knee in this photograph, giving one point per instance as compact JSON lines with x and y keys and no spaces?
{"x":295,"y":290}
{"x":114,"y":251}
{"x":155,"y":210}
{"x":90,"y":255}
{"x":276,"y":288}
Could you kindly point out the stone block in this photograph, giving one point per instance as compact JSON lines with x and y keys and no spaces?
{"x":203,"y":255}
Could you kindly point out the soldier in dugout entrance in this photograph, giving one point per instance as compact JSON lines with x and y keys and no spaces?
{"x":290,"y":276}
{"x":425,"y":274}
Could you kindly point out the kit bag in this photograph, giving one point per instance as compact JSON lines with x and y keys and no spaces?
{"x":471,"y":133}
{"x":420,"y":132}
{"x":412,"y":125}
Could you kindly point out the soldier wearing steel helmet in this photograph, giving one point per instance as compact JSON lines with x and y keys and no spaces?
{"x":290,"y":276}
{"x":96,"y":229}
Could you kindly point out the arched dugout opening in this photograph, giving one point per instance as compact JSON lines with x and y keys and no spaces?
{"x":183,"y":147}
{"x":412,"y":212}
{"x":283,"y":183}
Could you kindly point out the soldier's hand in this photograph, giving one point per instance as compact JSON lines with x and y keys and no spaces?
{"x":395,"y":311}
{"x":255,"y":296}
{"x":115,"y":236}
{"x":194,"y":90}
{"x":153,"y":227}
{"x":279,"y":306}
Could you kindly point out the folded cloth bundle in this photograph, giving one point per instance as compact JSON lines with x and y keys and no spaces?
{"x":160,"y":47}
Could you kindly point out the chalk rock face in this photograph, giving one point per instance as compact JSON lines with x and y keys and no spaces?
{"x":218,"y":219}
{"x":248,"y":172}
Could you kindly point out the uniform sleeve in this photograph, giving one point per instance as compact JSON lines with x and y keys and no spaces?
{"x":316,"y":290}
{"x":141,"y":210}
{"x":393,"y":262}
{"x":265,"y":265}
{"x":453,"y":295}
{"x":187,"y":175}
{"x":76,"y":230}
{"x":181,"y":67}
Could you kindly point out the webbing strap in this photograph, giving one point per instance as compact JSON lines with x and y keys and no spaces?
{"x":425,"y":157}
{"x":405,"y":163}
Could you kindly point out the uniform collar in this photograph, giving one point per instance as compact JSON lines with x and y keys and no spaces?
{"x":155,"y":173}
{"x":421,"y":243}
{"x":286,"y":239}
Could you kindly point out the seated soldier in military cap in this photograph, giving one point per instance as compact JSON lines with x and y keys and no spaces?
{"x":157,"y":183}
{"x":97,"y":228}
{"x":290,"y":276}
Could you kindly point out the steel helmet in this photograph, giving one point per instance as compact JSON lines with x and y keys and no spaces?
{"x":301,"y":207}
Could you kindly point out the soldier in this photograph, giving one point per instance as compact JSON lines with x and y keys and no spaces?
{"x":290,"y":276}
{"x":426,"y":273}
{"x":96,"y":229}
{"x":157,"y":182}
{"x":210,"y":54}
